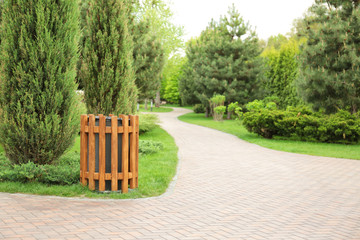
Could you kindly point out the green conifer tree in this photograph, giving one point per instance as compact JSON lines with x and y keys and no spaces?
{"x":107,"y":68}
{"x":330,"y":74}
{"x":37,"y":87}
{"x":226,"y":61}
{"x":149,"y":59}
{"x":282,"y":71}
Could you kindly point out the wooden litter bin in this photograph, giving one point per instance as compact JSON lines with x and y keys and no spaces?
{"x":109,"y":152}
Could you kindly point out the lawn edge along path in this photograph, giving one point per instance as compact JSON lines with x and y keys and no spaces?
{"x":309,"y":148}
{"x":151,"y":184}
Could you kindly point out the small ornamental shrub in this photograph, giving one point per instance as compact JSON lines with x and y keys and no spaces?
{"x":233,"y":109}
{"x":303,"y":124}
{"x":216,"y":101}
{"x":199,"y":108}
{"x":219,"y":113}
{"x":147,"y":122}
{"x":64,"y":172}
{"x":257,"y":105}
{"x":149,"y":146}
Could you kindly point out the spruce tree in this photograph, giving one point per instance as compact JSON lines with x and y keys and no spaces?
{"x":225,"y":60}
{"x":37,"y":87}
{"x":330,"y":74}
{"x":107,"y":68}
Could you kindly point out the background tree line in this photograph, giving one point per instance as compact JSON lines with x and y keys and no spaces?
{"x":317,"y":64}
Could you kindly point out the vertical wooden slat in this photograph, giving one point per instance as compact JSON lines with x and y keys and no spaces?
{"x":83,"y":148}
{"x":91,"y":152}
{"x":102,"y":129}
{"x":114,"y":153}
{"x":137,"y":151}
{"x":133,"y":151}
{"x":125,"y":153}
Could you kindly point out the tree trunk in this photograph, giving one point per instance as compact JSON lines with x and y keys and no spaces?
{"x":206,"y":112}
{"x":145,"y":106}
{"x":157,"y":99}
{"x":228,"y":112}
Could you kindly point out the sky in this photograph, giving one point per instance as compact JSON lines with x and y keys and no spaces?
{"x":268,"y":17}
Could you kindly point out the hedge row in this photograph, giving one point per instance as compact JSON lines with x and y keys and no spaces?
{"x":303,"y":124}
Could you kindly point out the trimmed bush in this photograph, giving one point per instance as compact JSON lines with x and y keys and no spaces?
{"x":303,"y":124}
{"x":216,"y":101}
{"x":219,"y":113}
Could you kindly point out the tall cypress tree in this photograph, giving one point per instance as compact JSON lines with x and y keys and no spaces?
{"x":107,"y":68}
{"x":330,"y":74}
{"x":149,"y":59}
{"x":282,"y":71}
{"x":37,"y":88}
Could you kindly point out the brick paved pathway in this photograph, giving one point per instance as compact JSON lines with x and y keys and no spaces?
{"x":225,"y":189}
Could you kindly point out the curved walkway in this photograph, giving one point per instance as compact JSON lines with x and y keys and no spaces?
{"x":225,"y":189}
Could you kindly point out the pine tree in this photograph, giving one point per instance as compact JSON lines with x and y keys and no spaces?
{"x":107,"y":69}
{"x":226,"y":61}
{"x":330,"y":74}
{"x":37,"y":87}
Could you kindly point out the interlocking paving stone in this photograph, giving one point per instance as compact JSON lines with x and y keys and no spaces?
{"x":226,"y":188}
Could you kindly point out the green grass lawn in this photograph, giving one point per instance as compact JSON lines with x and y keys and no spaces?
{"x":155,"y":173}
{"x":170,"y":105}
{"x":311,"y":148}
{"x":155,"y":109}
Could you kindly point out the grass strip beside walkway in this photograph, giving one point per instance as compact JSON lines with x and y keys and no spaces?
{"x":155,"y":174}
{"x":310,"y":148}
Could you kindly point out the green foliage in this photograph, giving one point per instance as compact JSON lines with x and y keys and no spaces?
{"x":39,"y":52}
{"x":66,"y":171}
{"x":217,"y":100}
{"x":305,"y":125}
{"x":287,"y":145}
{"x":199,"y":108}
{"x":234,"y":109}
{"x":258,"y":105}
{"x":147,"y":122}
{"x":149,"y":146}
{"x":219,"y":113}
{"x":171,"y":75}
{"x":160,"y":15}
{"x":216,"y":104}
{"x":329,"y":77}
{"x":282,"y":70}
{"x":225,"y":60}
{"x":149,"y":58}
{"x":187,"y":84}
{"x":107,"y":69}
